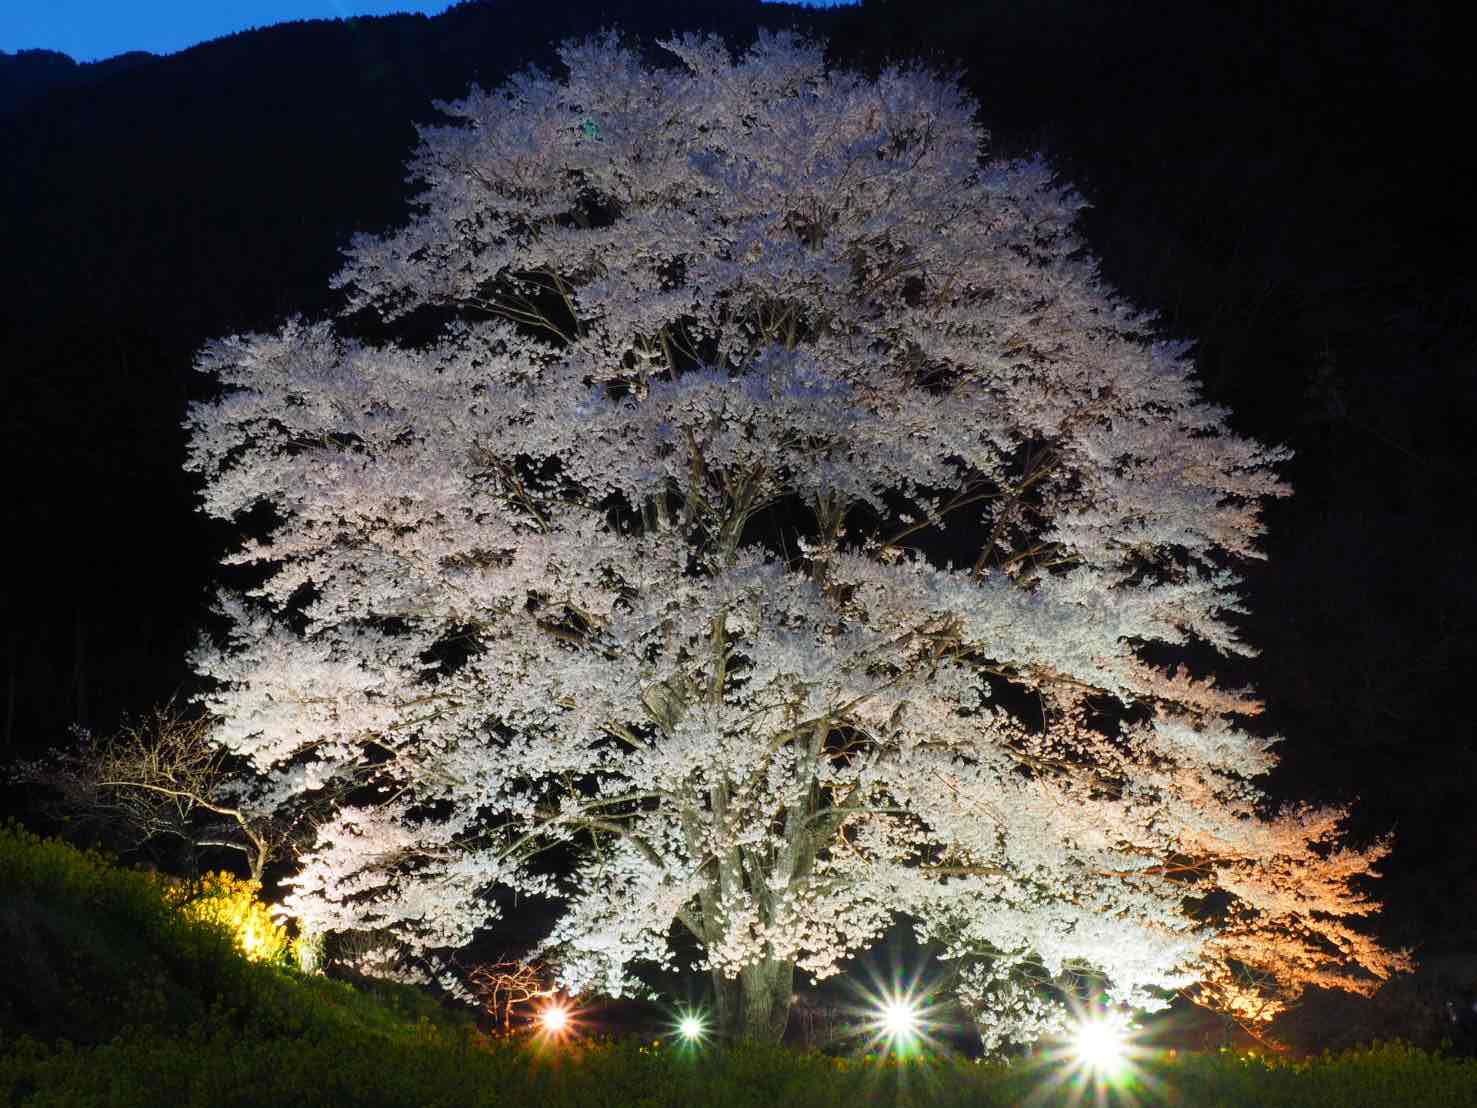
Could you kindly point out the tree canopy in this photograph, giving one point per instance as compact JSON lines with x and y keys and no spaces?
{"x":764,"y":524}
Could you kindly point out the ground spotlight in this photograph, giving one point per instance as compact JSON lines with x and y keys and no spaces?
{"x":897,"y":1023}
{"x":554,"y":1020}
{"x":898,"y":1015}
{"x":691,"y":1028}
{"x":900,"y":1019}
{"x":1100,"y":1044}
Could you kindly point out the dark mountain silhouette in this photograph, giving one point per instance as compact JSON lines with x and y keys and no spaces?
{"x":1281,"y":182}
{"x":28,"y":75}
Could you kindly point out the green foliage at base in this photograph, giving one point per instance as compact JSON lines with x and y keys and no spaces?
{"x":110,"y":996}
{"x":90,"y":952}
{"x":428,"y":1067}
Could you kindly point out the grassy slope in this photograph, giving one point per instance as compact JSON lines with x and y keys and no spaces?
{"x":109,"y":997}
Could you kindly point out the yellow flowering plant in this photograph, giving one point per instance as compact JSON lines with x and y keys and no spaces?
{"x":234,"y":903}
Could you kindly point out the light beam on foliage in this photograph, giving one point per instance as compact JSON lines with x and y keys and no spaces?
{"x":233,"y":903}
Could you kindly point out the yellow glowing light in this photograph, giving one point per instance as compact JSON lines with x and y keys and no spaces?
{"x":231,"y":902}
{"x":251,"y":939}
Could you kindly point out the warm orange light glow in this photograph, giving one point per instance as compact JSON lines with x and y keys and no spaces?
{"x":554,"y":1019}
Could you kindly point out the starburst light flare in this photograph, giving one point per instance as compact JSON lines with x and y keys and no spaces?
{"x":1100,"y":1044}
{"x":900,"y":1019}
{"x":554,"y":1020}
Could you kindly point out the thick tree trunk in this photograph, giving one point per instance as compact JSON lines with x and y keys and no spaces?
{"x":756,"y":1004}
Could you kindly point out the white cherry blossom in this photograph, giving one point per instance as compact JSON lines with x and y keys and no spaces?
{"x":764,"y":540}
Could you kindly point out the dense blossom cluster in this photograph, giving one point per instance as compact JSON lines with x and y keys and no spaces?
{"x":781,"y":523}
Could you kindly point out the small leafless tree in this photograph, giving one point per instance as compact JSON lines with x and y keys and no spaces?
{"x":503,"y":986}
{"x":160,"y":778}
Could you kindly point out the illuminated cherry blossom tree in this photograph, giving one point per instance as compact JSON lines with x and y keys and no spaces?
{"x":770,"y":511}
